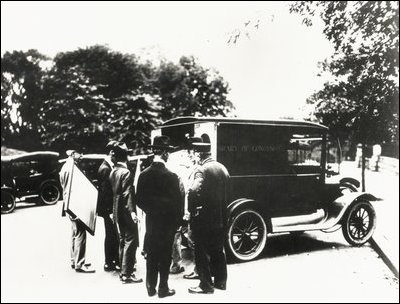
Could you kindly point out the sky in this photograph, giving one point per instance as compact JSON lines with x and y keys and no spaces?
{"x":270,"y":73}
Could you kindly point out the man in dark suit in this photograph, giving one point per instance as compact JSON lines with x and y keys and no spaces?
{"x":207,"y":199}
{"x":160,"y":195}
{"x":105,"y":208}
{"x":124,"y":213}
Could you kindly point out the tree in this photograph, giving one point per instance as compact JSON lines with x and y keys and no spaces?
{"x":21,"y":98}
{"x":94,"y":95}
{"x":188,"y":89}
{"x":362,"y":100}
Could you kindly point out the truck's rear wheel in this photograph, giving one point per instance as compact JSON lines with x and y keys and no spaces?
{"x":247,"y":235}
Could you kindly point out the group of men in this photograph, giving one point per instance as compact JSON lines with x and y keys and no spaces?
{"x":161,"y":195}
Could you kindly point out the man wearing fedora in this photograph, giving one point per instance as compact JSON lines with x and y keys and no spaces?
{"x":207,"y":199}
{"x":78,"y":242}
{"x":124,"y":213}
{"x":105,"y":210}
{"x":160,"y":195}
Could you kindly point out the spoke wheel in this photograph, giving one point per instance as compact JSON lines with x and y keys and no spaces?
{"x":49,"y":193}
{"x":247,"y":235}
{"x":359,"y":223}
{"x":7,"y":202}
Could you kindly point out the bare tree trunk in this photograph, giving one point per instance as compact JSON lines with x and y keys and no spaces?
{"x":363,"y":167}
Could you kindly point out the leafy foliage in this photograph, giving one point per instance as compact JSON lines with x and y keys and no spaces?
{"x":92,"y":95}
{"x":362,"y":100}
{"x":189,"y":89}
{"x":21,"y":97}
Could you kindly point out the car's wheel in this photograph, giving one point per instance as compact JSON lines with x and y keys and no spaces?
{"x":247,"y":235}
{"x":7,"y":202}
{"x":359,"y":223}
{"x":49,"y":193}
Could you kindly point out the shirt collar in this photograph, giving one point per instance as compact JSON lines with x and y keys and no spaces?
{"x":158,"y":159}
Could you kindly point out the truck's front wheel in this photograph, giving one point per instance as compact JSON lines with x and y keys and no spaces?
{"x":359,"y":223}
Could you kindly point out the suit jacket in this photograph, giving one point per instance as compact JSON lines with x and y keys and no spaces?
{"x":121,"y":181}
{"x":208,"y":195}
{"x":105,"y":197}
{"x":160,"y":195}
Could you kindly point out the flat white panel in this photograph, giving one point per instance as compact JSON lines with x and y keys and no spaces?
{"x":82,"y":199}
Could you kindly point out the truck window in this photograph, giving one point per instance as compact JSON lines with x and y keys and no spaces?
{"x":304,"y":153}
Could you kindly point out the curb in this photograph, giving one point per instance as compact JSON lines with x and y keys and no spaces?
{"x":384,"y":257}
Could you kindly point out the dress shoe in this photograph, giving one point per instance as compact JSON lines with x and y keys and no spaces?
{"x":200,"y":290}
{"x":85,"y":269}
{"x":114,"y":265}
{"x":151,"y":292}
{"x":109,"y":267}
{"x":220,"y":286}
{"x":191,"y":276}
{"x":175,"y":270}
{"x":86,"y":264}
{"x":130,"y":279}
{"x":162,"y":293}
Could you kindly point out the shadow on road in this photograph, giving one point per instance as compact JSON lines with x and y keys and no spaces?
{"x":290,"y":244}
{"x":27,"y":204}
{"x":280,"y":245}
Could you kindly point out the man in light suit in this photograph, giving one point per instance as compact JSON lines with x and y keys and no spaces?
{"x":124,"y":213}
{"x":160,"y":195}
{"x":78,"y":242}
{"x":207,"y":199}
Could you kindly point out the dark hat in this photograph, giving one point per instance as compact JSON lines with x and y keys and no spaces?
{"x":191,"y":141}
{"x":111,"y":144}
{"x":120,"y":147}
{"x":201,"y":147}
{"x":162,"y":142}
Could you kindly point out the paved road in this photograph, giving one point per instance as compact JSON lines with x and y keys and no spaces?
{"x":314,"y":267}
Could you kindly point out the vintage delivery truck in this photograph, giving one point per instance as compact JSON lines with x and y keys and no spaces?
{"x":284,"y":178}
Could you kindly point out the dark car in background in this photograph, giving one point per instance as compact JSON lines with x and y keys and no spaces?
{"x":30,"y":177}
{"x":34,"y":177}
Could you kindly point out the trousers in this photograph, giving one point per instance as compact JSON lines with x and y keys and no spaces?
{"x":111,"y":243}
{"x":159,"y":250}
{"x":210,"y":257}
{"x":128,"y":243}
{"x":78,"y":244}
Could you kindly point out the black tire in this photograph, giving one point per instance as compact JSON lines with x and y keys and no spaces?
{"x":7,"y":202}
{"x":247,"y":235}
{"x":49,"y":193}
{"x":359,"y":223}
